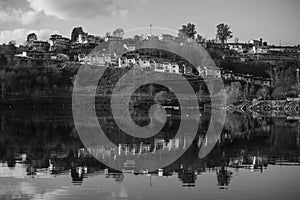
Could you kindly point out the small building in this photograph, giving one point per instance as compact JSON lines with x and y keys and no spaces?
{"x":82,"y":38}
{"x":113,"y":38}
{"x":39,"y":46}
{"x":58,"y":42}
{"x":187,"y":69}
{"x":92,"y":59}
{"x":129,"y":47}
{"x":166,"y":37}
{"x":152,"y":37}
{"x":167,"y":66}
{"x":266,"y":82}
{"x":174,"y":68}
{"x":256,"y":42}
{"x":227,"y":75}
{"x":209,"y":71}
{"x":248,"y":78}
{"x":260,"y":50}
{"x":145,"y":63}
{"x":122,"y":62}
{"x":258,"y":80}
{"x":91,"y":39}
{"x":159,"y":67}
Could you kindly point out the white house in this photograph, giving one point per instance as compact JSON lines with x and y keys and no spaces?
{"x":91,"y":59}
{"x":209,"y":71}
{"x":159,"y":67}
{"x":175,"y":68}
{"x":167,"y":66}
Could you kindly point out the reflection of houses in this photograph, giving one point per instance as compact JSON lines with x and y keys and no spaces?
{"x":188,"y":176}
{"x":249,"y":162}
{"x":224,"y":177}
{"x":77,"y":174}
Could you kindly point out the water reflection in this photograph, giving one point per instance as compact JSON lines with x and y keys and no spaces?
{"x":47,"y":146}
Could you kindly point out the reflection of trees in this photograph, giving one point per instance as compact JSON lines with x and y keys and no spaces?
{"x":77,"y":175}
{"x":188,"y":177}
{"x":241,"y":125}
{"x":285,"y":136}
{"x":224,"y":177}
{"x":43,"y":138}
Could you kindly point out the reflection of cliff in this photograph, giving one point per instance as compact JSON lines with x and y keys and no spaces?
{"x":278,"y":108}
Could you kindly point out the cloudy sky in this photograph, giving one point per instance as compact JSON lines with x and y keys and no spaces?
{"x":273,"y":20}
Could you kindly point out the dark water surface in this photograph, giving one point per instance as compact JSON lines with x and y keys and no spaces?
{"x":42,"y":157}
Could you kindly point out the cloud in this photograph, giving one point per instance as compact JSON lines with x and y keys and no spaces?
{"x":19,"y":35}
{"x":31,"y":10}
{"x":78,"y":9}
{"x":8,"y":14}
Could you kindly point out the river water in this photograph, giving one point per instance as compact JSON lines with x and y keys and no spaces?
{"x":42,"y":157}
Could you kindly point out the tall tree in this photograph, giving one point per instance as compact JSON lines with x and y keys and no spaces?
{"x":107,"y":34}
{"x":75,"y":32}
{"x":187,"y":31}
{"x":223,"y":33}
{"x":31,"y":37}
{"x":119,"y":32}
{"x":199,"y":38}
{"x":5,"y":79}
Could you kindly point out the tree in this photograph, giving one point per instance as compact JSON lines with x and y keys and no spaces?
{"x":31,"y":37}
{"x":5,"y":79}
{"x":223,"y":33}
{"x":137,"y":38}
{"x":75,"y":33}
{"x":119,"y":32}
{"x":12,"y":42}
{"x":3,"y":61}
{"x":234,"y":93}
{"x":187,"y":31}
{"x":107,"y":34}
{"x":262,"y":93}
{"x":200,"y":38}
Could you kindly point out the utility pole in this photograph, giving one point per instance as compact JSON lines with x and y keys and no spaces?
{"x":150,"y":29}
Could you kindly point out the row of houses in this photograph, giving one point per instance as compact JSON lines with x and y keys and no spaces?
{"x":260,"y":46}
{"x":158,"y":65}
{"x":248,"y":78}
